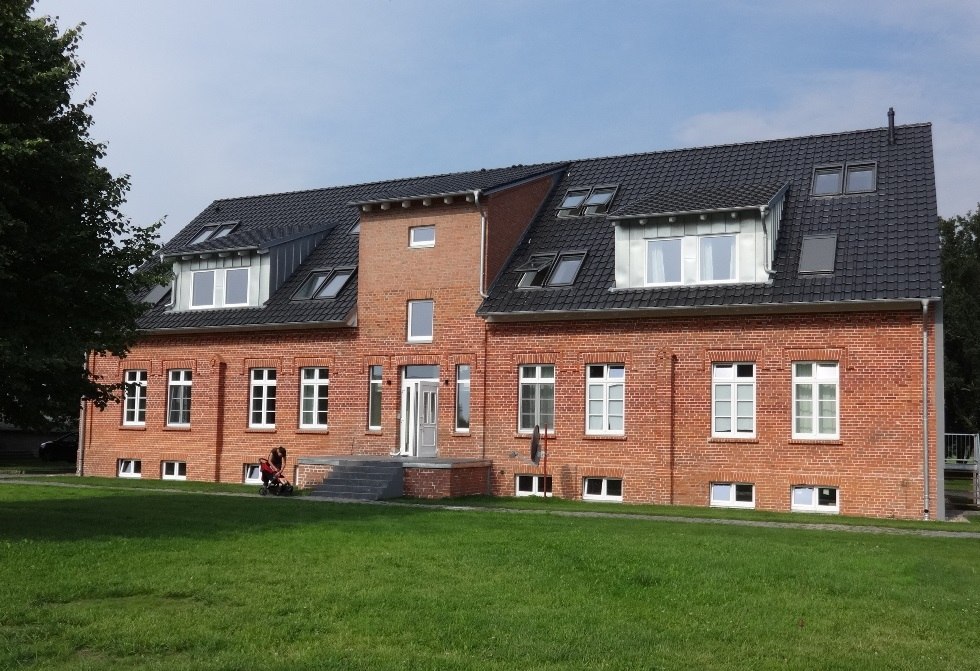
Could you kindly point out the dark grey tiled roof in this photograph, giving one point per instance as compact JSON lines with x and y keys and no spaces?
{"x":719,"y":197}
{"x":888,"y":244}
{"x":265,"y":219}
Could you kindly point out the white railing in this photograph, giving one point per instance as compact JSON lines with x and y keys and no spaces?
{"x":961,"y":448}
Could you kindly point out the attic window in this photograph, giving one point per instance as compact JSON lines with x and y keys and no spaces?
{"x":566,"y":270}
{"x":213,"y":232}
{"x":535,"y":270}
{"x":323,"y":284}
{"x":847,"y":179}
{"x":586,"y":201}
{"x":818,"y":254}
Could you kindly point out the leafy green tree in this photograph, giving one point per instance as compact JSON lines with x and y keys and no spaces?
{"x":67,"y":254}
{"x":960,"y":236}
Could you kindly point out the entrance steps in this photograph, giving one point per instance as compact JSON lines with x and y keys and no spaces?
{"x":368,"y":480}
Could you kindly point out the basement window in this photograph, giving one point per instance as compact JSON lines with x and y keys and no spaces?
{"x":815,"y":499}
{"x":732,"y":495}
{"x":174,"y":470}
{"x":602,"y":489}
{"x":130,"y":468}
{"x":252,"y":475}
{"x":533,"y":485}
{"x":213,"y":232}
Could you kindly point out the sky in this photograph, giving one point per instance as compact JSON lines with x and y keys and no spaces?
{"x":200,"y":100}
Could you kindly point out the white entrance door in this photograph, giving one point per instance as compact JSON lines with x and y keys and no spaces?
{"x":420,"y":409}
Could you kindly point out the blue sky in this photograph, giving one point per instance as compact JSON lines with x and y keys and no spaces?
{"x":204,"y":100}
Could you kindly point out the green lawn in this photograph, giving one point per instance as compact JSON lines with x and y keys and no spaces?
{"x":133,"y":578}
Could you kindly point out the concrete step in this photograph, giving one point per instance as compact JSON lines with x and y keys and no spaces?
{"x":362,"y":480}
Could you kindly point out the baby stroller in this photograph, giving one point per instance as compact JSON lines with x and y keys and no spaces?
{"x":273,"y":483}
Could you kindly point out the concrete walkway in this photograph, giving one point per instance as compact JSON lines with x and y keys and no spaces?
{"x":830,"y":526}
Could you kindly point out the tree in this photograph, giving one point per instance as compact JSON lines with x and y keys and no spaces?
{"x":67,"y":254}
{"x":960,"y":237}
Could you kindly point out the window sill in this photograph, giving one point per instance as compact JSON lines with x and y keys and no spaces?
{"x":260,"y":429}
{"x":528,"y":436}
{"x":177,"y":428}
{"x":374,"y":432}
{"x":462,"y":433}
{"x":604,"y":436}
{"x":311,"y":429}
{"x":132,"y":427}
{"x":733,"y":439}
{"x":816,"y":441}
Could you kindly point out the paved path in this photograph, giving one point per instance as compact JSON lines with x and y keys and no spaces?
{"x":865,"y":529}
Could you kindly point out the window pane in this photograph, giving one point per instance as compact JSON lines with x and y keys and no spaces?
{"x":566,"y":270}
{"x":548,"y":372}
{"x":663,"y":261}
{"x":826,"y":182}
{"x":593,"y":486}
{"x":202,"y":290}
{"x":717,"y":258}
{"x":525,"y":483}
{"x":860,"y":178}
{"x":311,"y":285}
{"x":236,"y":286}
{"x":420,"y":316}
{"x":743,"y":493}
{"x":721,"y":492}
{"x":803,"y":496}
{"x":331,"y":288}
{"x":422,"y":236}
{"x":804,"y":370}
{"x":827,"y":496}
{"x":614,"y":487}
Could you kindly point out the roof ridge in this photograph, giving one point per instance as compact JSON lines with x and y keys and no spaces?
{"x":744,"y":144}
{"x":393,"y":181}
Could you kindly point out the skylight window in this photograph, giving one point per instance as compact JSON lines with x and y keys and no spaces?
{"x":851,"y":178}
{"x":566,"y":270}
{"x":323,"y":284}
{"x":544,"y":270}
{"x":586,"y":201}
{"x":818,"y":254}
{"x":213,"y":232}
{"x":535,"y":271}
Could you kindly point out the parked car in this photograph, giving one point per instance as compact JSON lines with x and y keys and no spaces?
{"x":62,"y":448}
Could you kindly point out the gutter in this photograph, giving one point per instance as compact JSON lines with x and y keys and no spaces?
{"x":483,"y":243}
{"x":925,"y":408}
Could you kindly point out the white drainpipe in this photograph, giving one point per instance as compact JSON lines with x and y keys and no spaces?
{"x":483,"y":241}
{"x":925,"y":409}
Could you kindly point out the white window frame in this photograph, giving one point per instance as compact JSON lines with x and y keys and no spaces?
{"x":537,"y":485}
{"x":598,"y":390}
{"x":701,"y":240}
{"x":214,"y":290}
{"x":731,"y":500}
{"x":824,"y":374}
{"x":414,"y":242}
{"x":248,"y":286}
{"x":314,"y":386}
{"x":650,"y":283}
{"x":726,"y":375}
{"x":536,"y":381}
{"x":129,"y":468}
{"x":814,"y":505}
{"x":262,"y":398}
{"x":423,"y":338}
{"x":463,"y":385}
{"x":179,"y":379}
{"x":375,"y":380}
{"x":604,"y":495}
{"x":178,"y":470}
{"x":252,"y":474}
{"x":134,"y":404}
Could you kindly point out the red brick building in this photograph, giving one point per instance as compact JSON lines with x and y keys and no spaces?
{"x":754,"y":325}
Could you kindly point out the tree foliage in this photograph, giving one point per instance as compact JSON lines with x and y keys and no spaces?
{"x":67,"y":253}
{"x":960,"y":236}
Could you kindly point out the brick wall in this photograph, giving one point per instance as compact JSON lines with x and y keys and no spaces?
{"x":667,"y":454}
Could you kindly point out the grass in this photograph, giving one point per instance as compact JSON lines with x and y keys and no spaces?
{"x":98,"y":578}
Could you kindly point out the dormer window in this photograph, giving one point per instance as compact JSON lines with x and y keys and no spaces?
{"x":834,"y":180}
{"x":213,"y":232}
{"x":586,"y":201}
{"x":207,"y":285}
{"x":323,"y":284}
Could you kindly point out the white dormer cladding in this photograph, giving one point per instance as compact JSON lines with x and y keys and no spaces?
{"x":722,"y":246}
{"x":185,"y":269}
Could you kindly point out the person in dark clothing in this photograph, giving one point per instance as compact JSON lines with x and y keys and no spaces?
{"x":277,"y":459}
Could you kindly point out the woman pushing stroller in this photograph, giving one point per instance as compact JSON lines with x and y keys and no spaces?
{"x":272,"y":478}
